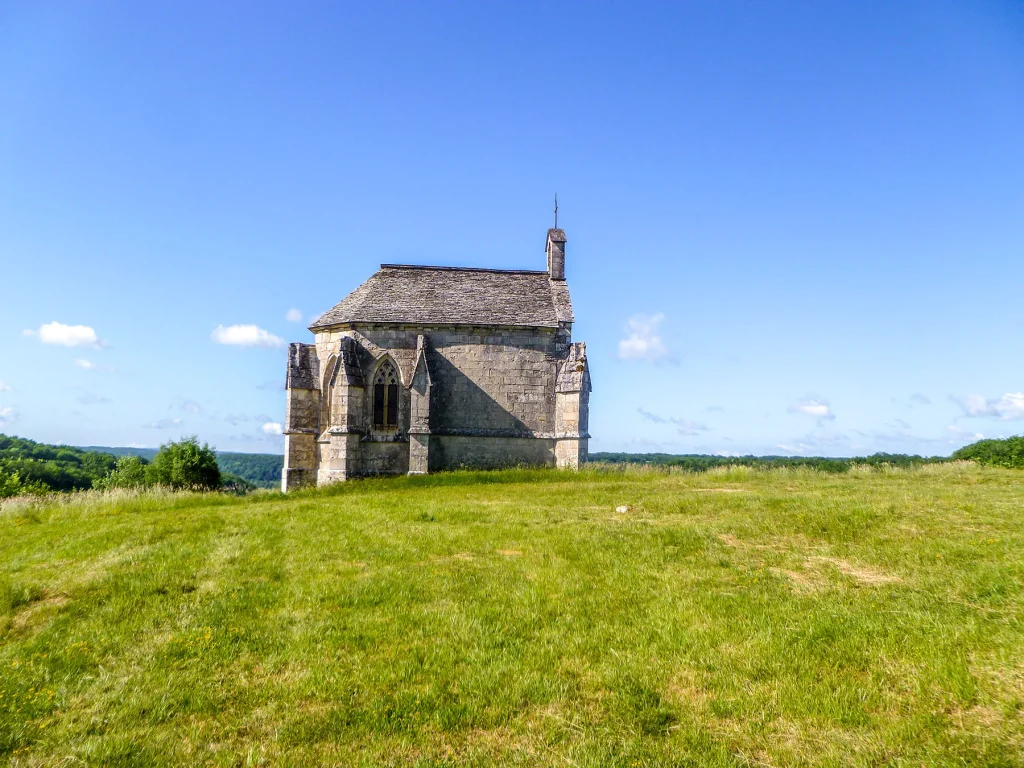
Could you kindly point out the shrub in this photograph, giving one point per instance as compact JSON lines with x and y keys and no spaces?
{"x":130,"y":472}
{"x":185,"y":464}
{"x":1007,"y":452}
{"x":10,"y":485}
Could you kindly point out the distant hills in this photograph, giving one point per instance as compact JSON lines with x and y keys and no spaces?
{"x":261,"y":469}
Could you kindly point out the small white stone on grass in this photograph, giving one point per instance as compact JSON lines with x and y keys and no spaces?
{"x":623,"y":508}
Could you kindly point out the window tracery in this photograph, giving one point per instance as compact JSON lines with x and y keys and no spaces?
{"x":385,"y":396}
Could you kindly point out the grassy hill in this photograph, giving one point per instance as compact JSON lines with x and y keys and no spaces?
{"x":732,"y":617}
{"x":261,"y":469}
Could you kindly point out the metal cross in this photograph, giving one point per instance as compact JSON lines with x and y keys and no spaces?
{"x":556,"y":210}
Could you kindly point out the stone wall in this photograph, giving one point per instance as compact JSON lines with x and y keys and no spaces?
{"x":460,"y":451}
{"x":484,"y":380}
{"x":483,"y":398}
{"x":377,"y":458}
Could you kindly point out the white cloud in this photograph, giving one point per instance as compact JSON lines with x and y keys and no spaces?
{"x":190,"y":406}
{"x":245,"y":336}
{"x":7,"y":416}
{"x":272,"y":428}
{"x":66,"y":335}
{"x":813,"y":406}
{"x":163,"y":424}
{"x":1009,"y":407}
{"x":643,"y":342}
{"x":294,"y":315}
{"x":5,"y":387}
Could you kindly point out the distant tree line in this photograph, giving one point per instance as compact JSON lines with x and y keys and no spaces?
{"x":30,"y":467}
{"x":704,"y":462}
{"x":261,"y":469}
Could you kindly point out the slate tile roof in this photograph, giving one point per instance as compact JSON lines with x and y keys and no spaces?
{"x":400,"y":293}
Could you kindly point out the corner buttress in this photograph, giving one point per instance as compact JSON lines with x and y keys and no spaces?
{"x":302,"y":415}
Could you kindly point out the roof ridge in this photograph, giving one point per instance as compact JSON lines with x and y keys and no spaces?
{"x":466,"y":269}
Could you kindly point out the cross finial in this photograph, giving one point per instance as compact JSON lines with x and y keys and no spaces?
{"x":556,"y":210}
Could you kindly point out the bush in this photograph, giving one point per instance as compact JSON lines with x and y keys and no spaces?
{"x":185,"y":464}
{"x":1007,"y":452}
{"x":130,"y":472}
{"x":10,"y":485}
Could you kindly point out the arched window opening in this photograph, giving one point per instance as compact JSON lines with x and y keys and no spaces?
{"x":385,"y":397}
{"x":327,"y":394}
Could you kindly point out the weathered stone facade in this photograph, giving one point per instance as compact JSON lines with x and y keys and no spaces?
{"x":423,"y":369}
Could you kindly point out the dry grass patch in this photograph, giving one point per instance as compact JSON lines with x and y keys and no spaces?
{"x":864,"y":576}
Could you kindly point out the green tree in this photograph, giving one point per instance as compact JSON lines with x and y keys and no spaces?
{"x":130,"y":472}
{"x":185,"y":464}
{"x":1005,"y":452}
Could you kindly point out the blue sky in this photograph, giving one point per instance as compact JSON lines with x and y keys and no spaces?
{"x":794,"y":227}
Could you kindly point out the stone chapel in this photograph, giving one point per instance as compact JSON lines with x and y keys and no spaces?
{"x":422,"y":369}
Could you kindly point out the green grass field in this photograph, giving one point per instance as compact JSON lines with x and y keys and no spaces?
{"x":737,"y":617}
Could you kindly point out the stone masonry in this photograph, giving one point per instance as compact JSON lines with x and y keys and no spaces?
{"x":422,"y":369}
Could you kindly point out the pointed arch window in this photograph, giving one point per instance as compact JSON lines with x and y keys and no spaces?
{"x":385,"y":396}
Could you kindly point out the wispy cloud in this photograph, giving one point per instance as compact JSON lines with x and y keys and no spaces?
{"x":643,"y":342}
{"x":274,"y":385}
{"x":163,"y":424}
{"x":683,"y":426}
{"x":5,"y":387}
{"x":293,"y":315}
{"x":94,"y":400}
{"x":799,"y":448}
{"x":63,"y":335}
{"x":652,"y":416}
{"x":817,"y":442}
{"x":813,"y":406}
{"x":1009,"y":407}
{"x":245,"y":336}
{"x":272,"y":428}
{"x":190,"y":406}
{"x":7,"y":416}
{"x":91,"y":366}
{"x":918,"y":399}
{"x":234,"y":419}
{"x":958,"y":436}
